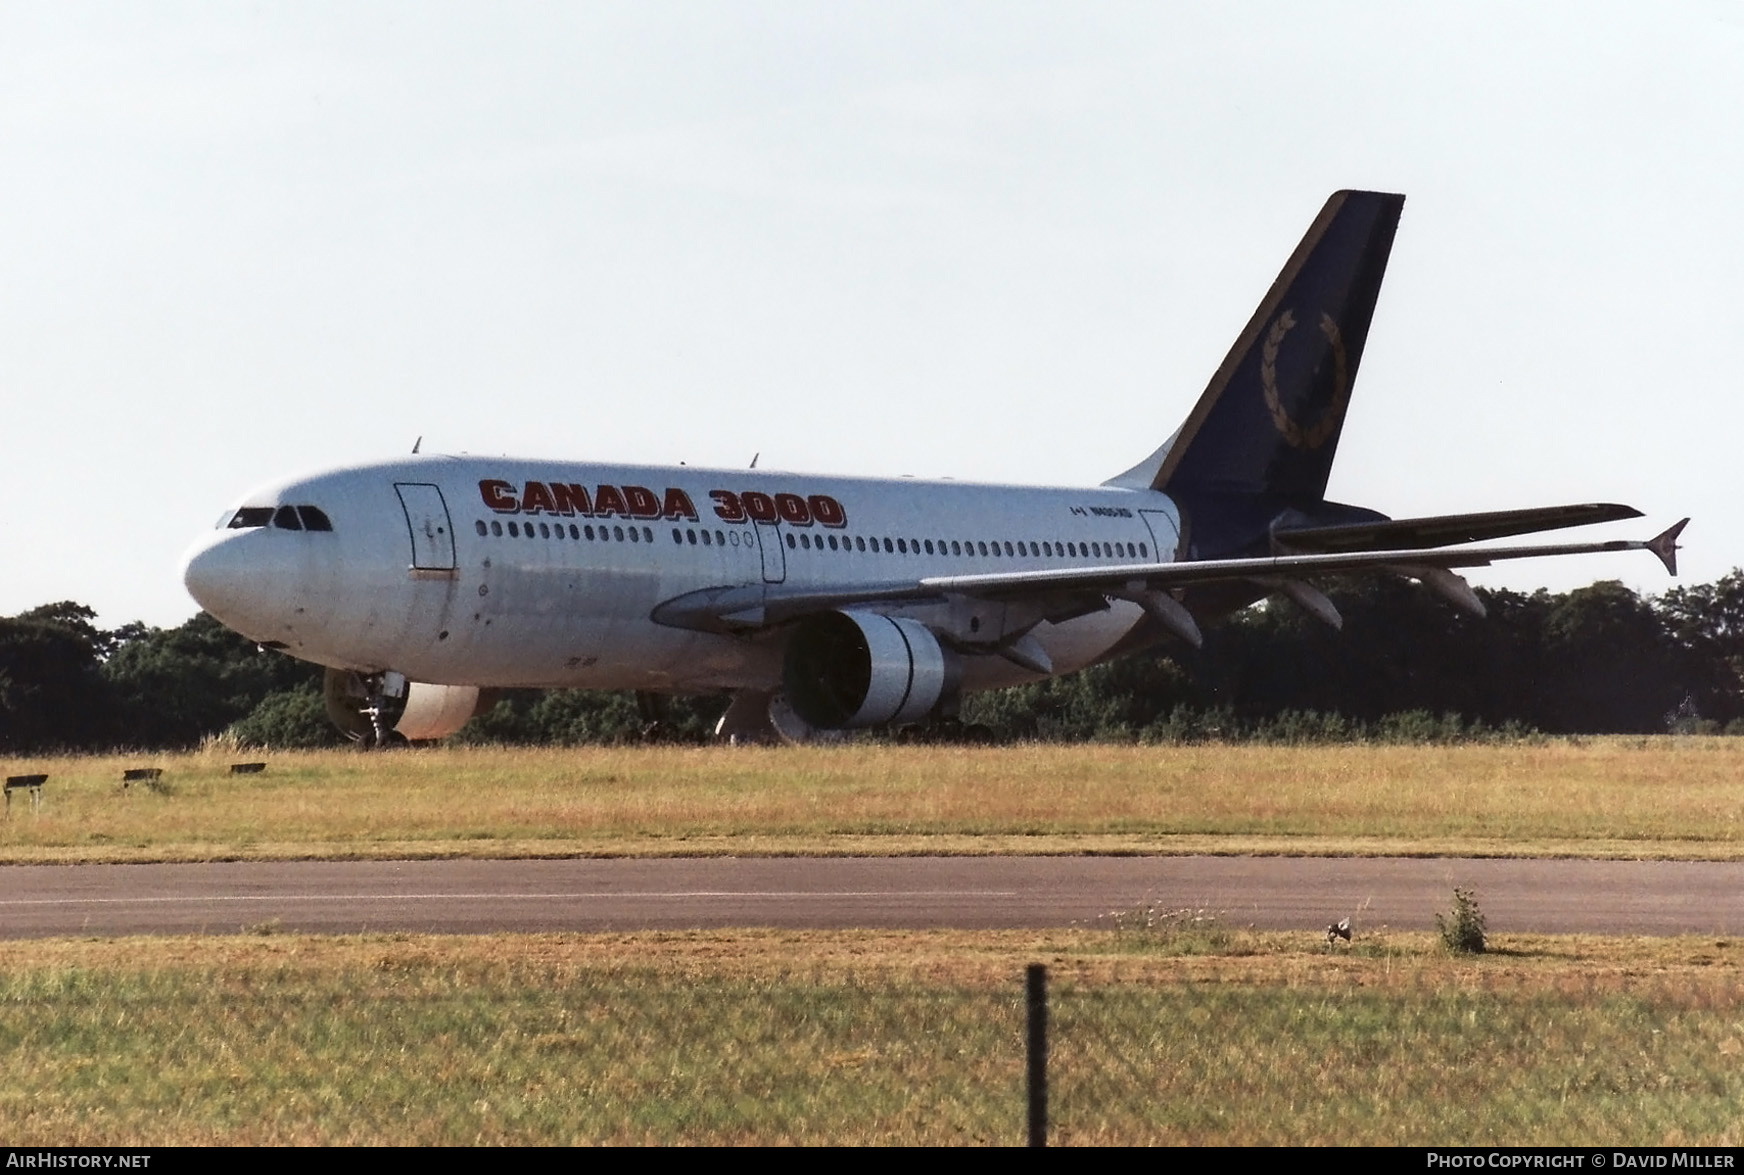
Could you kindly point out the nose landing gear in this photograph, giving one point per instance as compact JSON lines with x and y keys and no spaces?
{"x":365,"y":706}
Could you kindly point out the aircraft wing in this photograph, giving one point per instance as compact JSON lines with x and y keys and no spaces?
{"x":745,"y":608}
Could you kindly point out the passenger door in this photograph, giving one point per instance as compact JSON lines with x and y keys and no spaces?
{"x":427,"y":519}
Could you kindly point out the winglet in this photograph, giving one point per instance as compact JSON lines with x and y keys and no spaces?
{"x":1665,"y":545}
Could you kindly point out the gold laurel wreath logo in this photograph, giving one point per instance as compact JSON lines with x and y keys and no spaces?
{"x":1293,"y":433}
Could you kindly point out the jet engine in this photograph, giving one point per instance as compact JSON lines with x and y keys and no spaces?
{"x":851,"y":669}
{"x":364,"y":707}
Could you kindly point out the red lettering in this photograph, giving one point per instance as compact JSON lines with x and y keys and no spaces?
{"x":571,"y":499}
{"x":678,"y":506}
{"x":727,"y":506}
{"x":607,"y":502}
{"x":827,"y":510}
{"x":792,"y":509}
{"x":643,"y":503}
{"x":499,"y":495}
{"x":760,"y":506}
{"x":536,"y":499}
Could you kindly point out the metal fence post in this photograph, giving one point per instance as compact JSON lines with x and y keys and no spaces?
{"x":1037,"y":990}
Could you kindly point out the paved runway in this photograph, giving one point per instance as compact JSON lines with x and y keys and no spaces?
{"x":1613,"y":897}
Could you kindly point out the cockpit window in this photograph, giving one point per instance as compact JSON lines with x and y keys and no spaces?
{"x":286,"y":519}
{"x":314,"y":518}
{"x":251,"y":516}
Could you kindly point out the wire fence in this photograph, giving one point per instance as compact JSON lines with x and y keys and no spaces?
{"x":1322,"y":1048}
{"x":1413,"y":1063}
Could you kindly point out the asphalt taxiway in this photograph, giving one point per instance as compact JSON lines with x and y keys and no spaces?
{"x":1549,"y":896}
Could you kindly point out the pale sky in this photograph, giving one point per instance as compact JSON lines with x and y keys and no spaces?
{"x":1000,"y":241}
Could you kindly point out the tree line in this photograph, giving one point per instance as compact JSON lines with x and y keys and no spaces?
{"x":1599,"y":659}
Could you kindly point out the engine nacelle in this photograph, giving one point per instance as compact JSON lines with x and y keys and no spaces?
{"x":413,"y":710}
{"x":436,"y":711}
{"x":851,"y":669}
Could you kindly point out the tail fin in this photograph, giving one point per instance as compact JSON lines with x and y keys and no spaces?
{"x":1268,"y":423}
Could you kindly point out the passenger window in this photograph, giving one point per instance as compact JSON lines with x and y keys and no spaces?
{"x":677,"y":537}
{"x":860,"y":542}
{"x":286,"y":519}
{"x":648,"y":533}
{"x":706,"y":541}
{"x":901,"y":546}
{"x":634,"y":537}
{"x":720,"y":538}
{"x":496,"y":528}
{"x":574,"y":533}
{"x":482,"y":528}
{"x":792,"y":543}
{"x":544,"y":531}
{"x":514,"y":531}
{"x":314,"y":518}
{"x":1143,"y":551}
{"x":832,"y":542}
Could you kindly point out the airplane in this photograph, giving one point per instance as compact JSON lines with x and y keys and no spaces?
{"x":828,"y":604}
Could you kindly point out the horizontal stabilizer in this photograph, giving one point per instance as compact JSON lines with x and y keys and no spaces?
{"x":1446,"y":529}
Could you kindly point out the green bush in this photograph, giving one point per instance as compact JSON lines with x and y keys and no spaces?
{"x":291,"y":719}
{"x":1462,"y":930}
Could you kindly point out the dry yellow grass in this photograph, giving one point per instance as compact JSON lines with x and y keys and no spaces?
{"x":1613,"y":797}
{"x":972,"y":959}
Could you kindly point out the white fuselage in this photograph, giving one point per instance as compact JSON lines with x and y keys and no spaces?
{"x":508,"y":572}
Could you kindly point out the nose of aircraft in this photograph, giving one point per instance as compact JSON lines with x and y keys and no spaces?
{"x":235,"y":576}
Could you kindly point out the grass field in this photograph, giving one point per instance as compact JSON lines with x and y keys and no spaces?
{"x":1179,"y":1034}
{"x":1201,"y":1037}
{"x":1613,"y":797}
